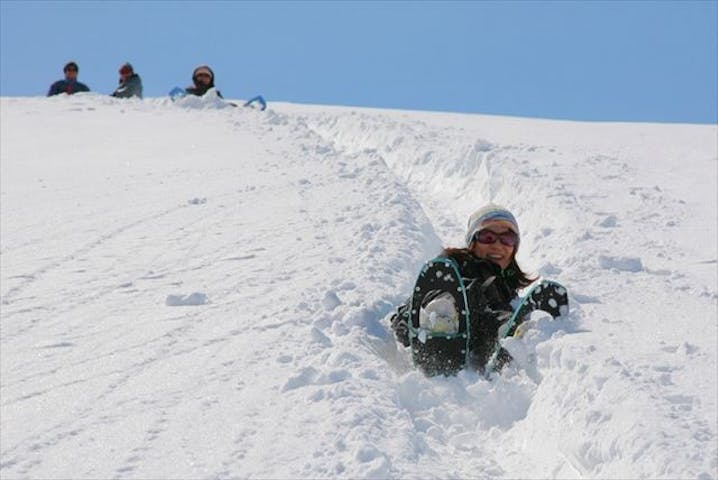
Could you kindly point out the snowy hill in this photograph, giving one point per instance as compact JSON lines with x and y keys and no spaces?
{"x":190,"y":291}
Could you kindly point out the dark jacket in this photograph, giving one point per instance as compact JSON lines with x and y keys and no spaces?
{"x":201,"y":90}
{"x":490,"y":291}
{"x":67,"y":86}
{"x":132,"y":87}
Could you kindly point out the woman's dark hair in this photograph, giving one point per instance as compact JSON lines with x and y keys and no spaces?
{"x":513,"y":275}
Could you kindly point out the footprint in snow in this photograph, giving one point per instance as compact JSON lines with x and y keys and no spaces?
{"x":623,"y":264}
{"x":608,"y":222}
{"x":193,"y":299}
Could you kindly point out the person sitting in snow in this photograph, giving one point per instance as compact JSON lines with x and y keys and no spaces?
{"x":492,"y":240}
{"x":69,"y":84}
{"x":130,"y":83}
{"x":202,"y":81}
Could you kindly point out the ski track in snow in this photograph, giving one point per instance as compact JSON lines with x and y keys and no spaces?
{"x":198,"y":292}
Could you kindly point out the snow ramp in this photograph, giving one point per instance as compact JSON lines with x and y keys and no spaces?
{"x":202,"y":292}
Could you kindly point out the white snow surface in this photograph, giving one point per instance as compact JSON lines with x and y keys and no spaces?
{"x":287,"y":237}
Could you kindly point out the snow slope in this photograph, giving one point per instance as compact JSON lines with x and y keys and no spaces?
{"x":192,"y":291}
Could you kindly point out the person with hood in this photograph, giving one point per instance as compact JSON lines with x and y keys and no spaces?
{"x":202,"y":81}
{"x":492,"y":240}
{"x":130,"y":83}
{"x":69,"y":84}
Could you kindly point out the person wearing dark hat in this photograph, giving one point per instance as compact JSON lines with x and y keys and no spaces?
{"x":130,"y":83}
{"x":492,"y":240}
{"x":202,"y":81}
{"x":69,"y":84}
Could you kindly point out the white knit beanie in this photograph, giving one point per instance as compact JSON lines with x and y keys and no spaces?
{"x":490,"y":213}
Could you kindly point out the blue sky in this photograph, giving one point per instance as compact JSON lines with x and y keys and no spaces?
{"x":608,"y":60}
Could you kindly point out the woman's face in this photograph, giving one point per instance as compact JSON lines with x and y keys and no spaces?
{"x":497,"y":251}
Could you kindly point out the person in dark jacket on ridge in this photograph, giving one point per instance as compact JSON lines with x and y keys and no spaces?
{"x":130,"y":83}
{"x":69,"y":84}
{"x":492,"y":240}
{"x":202,"y":81}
